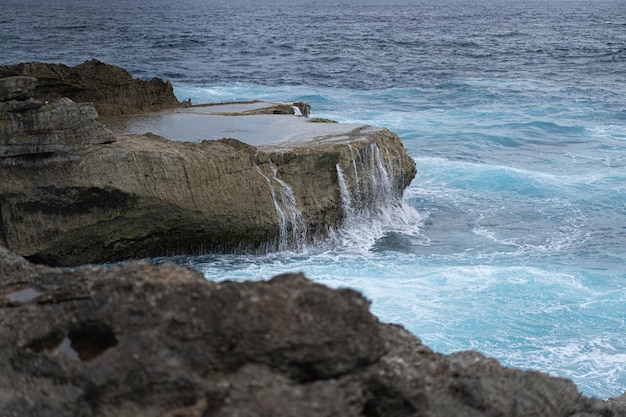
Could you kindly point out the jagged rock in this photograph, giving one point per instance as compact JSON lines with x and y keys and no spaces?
{"x":619,"y":401}
{"x":140,"y":339}
{"x":112,"y":90}
{"x":29,"y":127}
{"x":16,"y":88}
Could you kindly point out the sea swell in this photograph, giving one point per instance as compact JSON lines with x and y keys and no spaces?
{"x":511,"y":238}
{"x":514,"y":247}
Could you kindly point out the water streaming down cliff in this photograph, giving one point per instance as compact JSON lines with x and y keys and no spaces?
{"x":368,"y":196}
{"x":292,"y":231}
{"x":292,"y":224}
{"x":373,"y":208}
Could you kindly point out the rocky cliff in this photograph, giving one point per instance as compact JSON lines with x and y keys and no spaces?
{"x":139,"y":339}
{"x":72,"y":192}
{"x":113,"y":90}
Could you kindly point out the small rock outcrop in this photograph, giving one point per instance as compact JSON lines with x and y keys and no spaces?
{"x":30,"y":127}
{"x":140,"y":339}
{"x":112,"y":90}
{"x":72,"y":192}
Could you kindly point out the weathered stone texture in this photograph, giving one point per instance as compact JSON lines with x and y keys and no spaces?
{"x":143,"y":196}
{"x":112,"y":90}
{"x":17,"y":88}
{"x":30,"y":127}
{"x":72,"y":192}
{"x":139,"y":339}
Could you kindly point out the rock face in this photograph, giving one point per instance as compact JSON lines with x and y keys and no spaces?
{"x":112,"y":89}
{"x":30,"y":127}
{"x":73,"y":193}
{"x":145,"y":196}
{"x":148,"y":340}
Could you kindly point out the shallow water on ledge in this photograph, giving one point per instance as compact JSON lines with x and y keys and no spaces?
{"x":199,"y":123}
{"x":513,"y":111}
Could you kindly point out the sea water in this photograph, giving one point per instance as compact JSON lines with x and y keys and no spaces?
{"x":511,"y":240}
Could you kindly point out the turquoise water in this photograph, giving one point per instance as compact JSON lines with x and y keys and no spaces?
{"x":512,"y":237}
{"x":512,"y":241}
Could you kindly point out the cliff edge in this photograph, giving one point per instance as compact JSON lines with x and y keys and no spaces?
{"x":74,"y":192}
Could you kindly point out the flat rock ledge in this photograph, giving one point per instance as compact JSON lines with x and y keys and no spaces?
{"x":139,"y":339}
{"x":73,"y":191}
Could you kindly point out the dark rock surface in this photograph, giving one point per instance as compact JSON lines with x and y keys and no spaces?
{"x":148,"y":340}
{"x":17,"y":88}
{"x":112,"y":90}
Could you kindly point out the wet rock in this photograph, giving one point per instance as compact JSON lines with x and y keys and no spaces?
{"x":140,"y":339}
{"x":142,"y":196}
{"x":74,"y":193}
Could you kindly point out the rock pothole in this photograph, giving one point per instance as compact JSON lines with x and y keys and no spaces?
{"x":84,"y":342}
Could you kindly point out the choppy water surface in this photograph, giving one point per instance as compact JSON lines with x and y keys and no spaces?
{"x":512,"y":239}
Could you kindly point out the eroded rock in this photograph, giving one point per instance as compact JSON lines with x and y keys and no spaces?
{"x":112,"y":90}
{"x":140,"y":339}
{"x":16,"y":88}
{"x":29,"y":128}
{"x":144,"y":196}
{"x":73,"y":192}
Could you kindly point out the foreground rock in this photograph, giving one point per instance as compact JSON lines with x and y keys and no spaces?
{"x":73,"y":192}
{"x":161,"y":341}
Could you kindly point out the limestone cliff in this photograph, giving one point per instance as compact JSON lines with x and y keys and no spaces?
{"x":139,"y":339}
{"x":72,"y":192}
{"x":146,"y":196}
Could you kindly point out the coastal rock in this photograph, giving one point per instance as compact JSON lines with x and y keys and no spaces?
{"x":73,"y":192}
{"x":112,"y":90}
{"x":142,"y":339}
{"x":16,"y":88}
{"x":30,"y":127}
{"x":144,"y":196}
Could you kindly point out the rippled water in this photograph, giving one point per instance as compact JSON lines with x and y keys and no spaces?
{"x":512,"y":240}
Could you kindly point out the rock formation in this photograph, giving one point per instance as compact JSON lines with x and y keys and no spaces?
{"x":113,"y":90}
{"x":140,"y":339}
{"x":73,"y":193}
{"x":30,"y":127}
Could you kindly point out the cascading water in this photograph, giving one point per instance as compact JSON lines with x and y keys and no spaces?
{"x":295,"y":231}
{"x":372,"y":207}
{"x":346,"y":196}
{"x":373,"y":186}
{"x":291,"y":224}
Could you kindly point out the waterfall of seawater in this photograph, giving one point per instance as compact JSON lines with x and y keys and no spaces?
{"x":373,"y":186}
{"x":371,"y":204}
{"x":346,"y":196}
{"x":372,"y":207}
{"x":291,"y":223}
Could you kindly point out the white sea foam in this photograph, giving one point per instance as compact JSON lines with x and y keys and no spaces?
{"x":509,"y":241}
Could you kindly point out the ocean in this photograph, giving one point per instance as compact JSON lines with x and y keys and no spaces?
{"x":512,"y":237}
